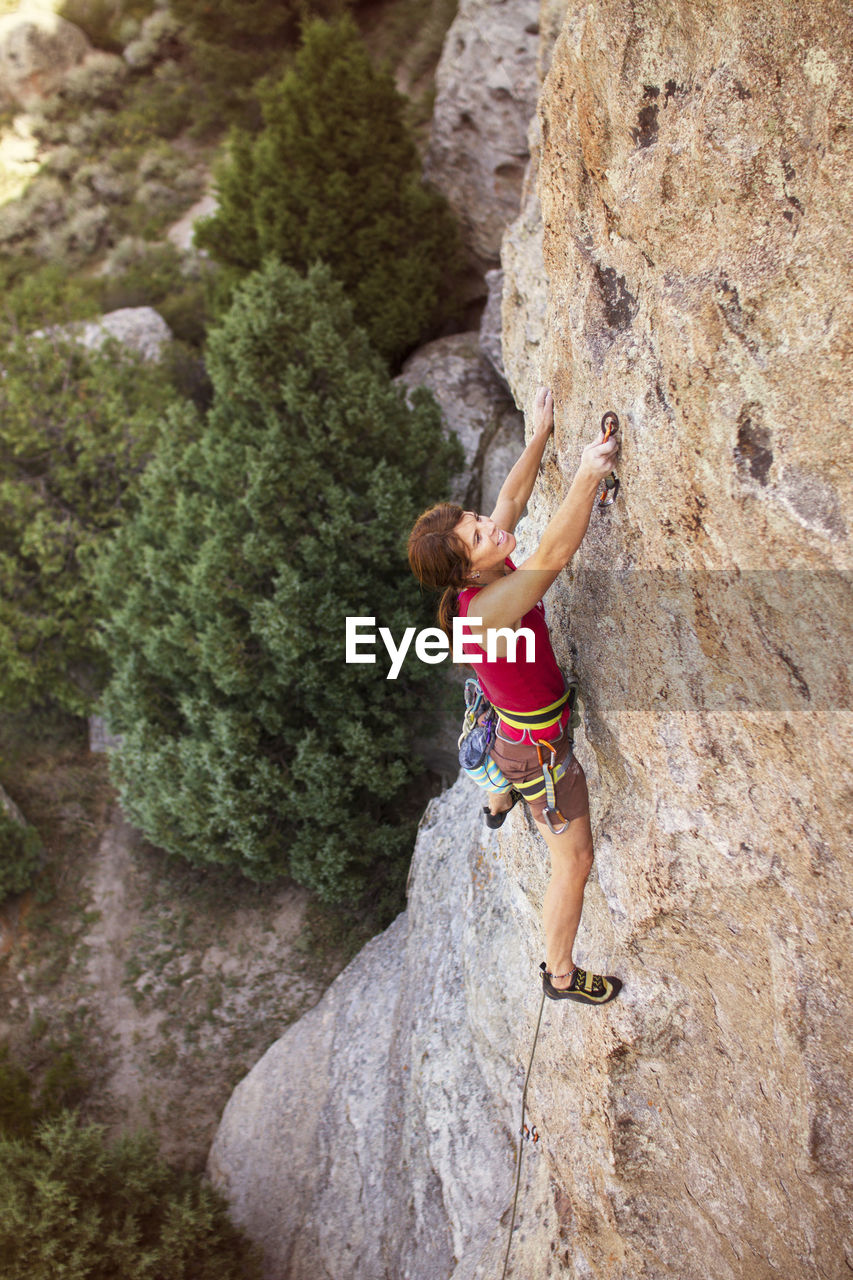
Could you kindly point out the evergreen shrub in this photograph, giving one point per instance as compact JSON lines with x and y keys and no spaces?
{"x":21,"y":853}
{"x":76,"y":429}
{"x":334,"y":175}
{"x":247,"y":741}
{"x":74,"y":1205}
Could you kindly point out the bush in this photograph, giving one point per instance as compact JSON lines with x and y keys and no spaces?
{"x":334,"y":176}
{"x":247,"y":740}
{"x":21,"y":853}
{"x":71,"y":1204}
{"x":143,"y":274}
{"x":235,"y":42}
{"x":159,"y":38}
{"x":36,"y":294}
{"x":16,"y":1106}
{"x":77,"y":430}
{"x":102,"y":20}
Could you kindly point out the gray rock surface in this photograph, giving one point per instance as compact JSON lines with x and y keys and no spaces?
{"x":37,"y":50}
{"x":477,"y":407}
{"x":486,"y":90}
{"x":375,"y":1138}
{"x":140,"y":329}
{"x":491,"y":323}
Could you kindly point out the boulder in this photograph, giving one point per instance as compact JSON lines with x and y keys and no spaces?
{"x":491,"y":322}
{"x":375,"y":1138}
{"x":140,"y":329}
{"x":476,"y":406}
{"x":486,"y":87}
{"x":37,"y":50}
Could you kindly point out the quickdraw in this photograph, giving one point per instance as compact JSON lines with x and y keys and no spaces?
{"x":476,"y":704}
{"x":609,"y":425}
{"x":551,"y":774}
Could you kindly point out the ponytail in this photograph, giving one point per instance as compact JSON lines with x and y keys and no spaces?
{"x":439,"y":558}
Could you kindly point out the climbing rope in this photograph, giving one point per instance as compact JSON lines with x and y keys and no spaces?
{"x":521,"y":1136}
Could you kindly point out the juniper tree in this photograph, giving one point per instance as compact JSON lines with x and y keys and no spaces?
{"x":74,"y":1205}
{"x":21,"y":855}
{"x":233,"y":42}
{"x":334,"y":175}
{"x":247,"y":740}
{"x":75,"y":430}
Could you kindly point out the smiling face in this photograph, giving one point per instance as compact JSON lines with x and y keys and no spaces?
{"x":487,"y":544}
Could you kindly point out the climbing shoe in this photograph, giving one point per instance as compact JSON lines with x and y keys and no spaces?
{"x":495,"y":820}
{"x":586,"y":987}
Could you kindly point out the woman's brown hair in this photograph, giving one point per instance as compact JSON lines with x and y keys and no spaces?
{"x":439,"y":557}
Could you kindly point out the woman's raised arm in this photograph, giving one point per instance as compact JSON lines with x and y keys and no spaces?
{"x":503,"y":603}
{"x":518,"y":486}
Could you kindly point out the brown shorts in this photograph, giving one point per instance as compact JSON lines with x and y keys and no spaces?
{"x":519,"y":762}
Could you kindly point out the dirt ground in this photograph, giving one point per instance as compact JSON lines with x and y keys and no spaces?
{"x":167,"y":983}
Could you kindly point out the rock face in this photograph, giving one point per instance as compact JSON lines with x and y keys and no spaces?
{"x":485,"y":95}
{"x":687,"y":270}
{"x":400,"y":1067}
{"x":476,"y":406}
{"x":37,"y":49}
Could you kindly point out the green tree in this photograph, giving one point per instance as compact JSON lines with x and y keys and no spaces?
{"x":233,"y":42}
{"x":17,"y":1111}
{"x":21,"y":854}
{"x":247,"y":739}
{"x":334,"y":176}
{"x":75,"y":1206}
{"x":75,"y":430}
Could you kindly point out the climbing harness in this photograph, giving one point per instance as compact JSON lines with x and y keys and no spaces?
{"x":524,"y":1132}
{"x":609,"y":425}
{"x":536,"y":722}
{"x":531,"y":722}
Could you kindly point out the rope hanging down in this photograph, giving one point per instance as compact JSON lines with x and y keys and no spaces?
{"x":521,"y":1135}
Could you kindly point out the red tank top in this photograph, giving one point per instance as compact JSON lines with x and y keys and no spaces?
{"x":519,"y":685}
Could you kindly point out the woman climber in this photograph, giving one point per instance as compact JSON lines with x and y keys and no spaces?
{"x":467,"y":557}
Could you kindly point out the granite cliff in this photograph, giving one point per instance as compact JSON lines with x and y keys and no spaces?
{"x":681,"y":255}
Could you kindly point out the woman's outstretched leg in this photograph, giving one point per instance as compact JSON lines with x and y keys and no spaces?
{"x":571,"y":862}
